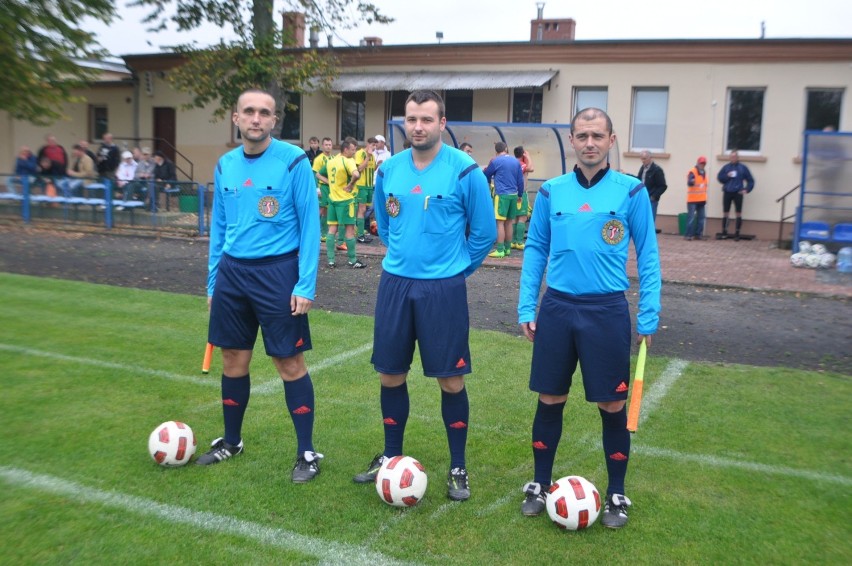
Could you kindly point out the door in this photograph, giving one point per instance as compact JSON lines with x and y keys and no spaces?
{"x":164,"y":131}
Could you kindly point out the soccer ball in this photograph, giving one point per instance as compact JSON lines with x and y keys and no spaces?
{"x":804,"y":246}
{"x":798,"y":259}
{"x":827,"y":260}
{"x":172,"y":444}
{"x":573,"y":503}
{"x":812,"y":260}
{"x":401,"y":481}
{"x":818,"y":249}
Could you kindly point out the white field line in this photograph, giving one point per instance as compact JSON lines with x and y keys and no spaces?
{"x":327,"y":551}
{"x":717,"y":462}
{"x":266,"y":387}
{"x":206,"y":381}
{"x":275,"y":384}
{"x":651,"y":400}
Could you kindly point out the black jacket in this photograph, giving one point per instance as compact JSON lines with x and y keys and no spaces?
{"x":655,"y":181}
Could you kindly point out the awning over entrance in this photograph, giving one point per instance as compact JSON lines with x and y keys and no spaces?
{"x":440,"y":80}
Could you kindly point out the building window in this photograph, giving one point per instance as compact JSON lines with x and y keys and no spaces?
{"x":353,"y":109}
{"x":291,"y":124}
{"x":526,"y":105}
{"x":98,"y":122}
{"x":396,"y":104}
{"x":648,"y":129}
{"x":589,"y":97}
{"x":459,"y":105}
{"x":745,"y":119}
{"x":823,"y":109}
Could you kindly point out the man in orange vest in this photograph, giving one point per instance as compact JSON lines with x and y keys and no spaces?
{"x":696,"y":199}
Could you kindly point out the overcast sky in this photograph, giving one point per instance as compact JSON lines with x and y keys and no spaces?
{"x":466,"y":21}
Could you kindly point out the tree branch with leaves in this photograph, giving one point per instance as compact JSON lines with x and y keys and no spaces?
{"x":41,"y":51}
{"x":260,"y":55}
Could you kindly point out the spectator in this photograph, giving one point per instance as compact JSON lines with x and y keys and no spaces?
{"x":467,"y":148}
{"x":26,"y":165}
{"x":313,"y":149}
{"x":85,"y":145}
{"x":505,"y":171}
{"x":165,"y":174}
{"x":736,"y":182}
{"x":655,"y":180}
{"x":125,"y":173}
{"x":696,"y":199}
{"x":109,"y":157}
{"x":382,"y":151}
{"x":142,"y":177}
{"x":56,"y":154}
{"x":82,"y":169}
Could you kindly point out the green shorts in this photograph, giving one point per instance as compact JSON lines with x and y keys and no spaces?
{"x":324,"y":198}
{"x":505,"y":206}
{"x":365,"y":195}
{"x":524,"y":206}
{"x":341,"y":212}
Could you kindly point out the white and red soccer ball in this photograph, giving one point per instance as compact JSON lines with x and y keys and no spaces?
{"x":573,"y":503}
{"x":172,"y":444}
{"x":401,"y":481}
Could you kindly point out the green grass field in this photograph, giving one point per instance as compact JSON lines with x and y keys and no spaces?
{"x":731,"y":464}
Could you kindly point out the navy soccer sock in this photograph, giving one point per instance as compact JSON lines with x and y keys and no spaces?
{"x":546,"y":432}
{"x":235,"y":398}
{"x":299,"y":395}
{"x":455,"y":409}
{"x":616,"y":445}
{"x":395,"y":406}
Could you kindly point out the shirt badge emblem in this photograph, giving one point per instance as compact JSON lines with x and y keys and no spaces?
{"x":613,"y":232}
{"x":268,"y":207}
{"x":393,"y":206}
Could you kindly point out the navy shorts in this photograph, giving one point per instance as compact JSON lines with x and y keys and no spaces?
{"x":593,"y":330}
{"x":252,"y":293}
{"x":432,"y":312}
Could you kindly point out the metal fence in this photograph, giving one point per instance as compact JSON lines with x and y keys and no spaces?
{"x":168,"y":206}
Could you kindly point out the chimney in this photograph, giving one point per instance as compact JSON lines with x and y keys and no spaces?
{"x":313,"y":40}
{"x":371,"y":41}
{"x":294,"y":29}
{"x":542,"y":30}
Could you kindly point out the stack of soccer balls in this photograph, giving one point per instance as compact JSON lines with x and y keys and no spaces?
{"x":812,"y":256}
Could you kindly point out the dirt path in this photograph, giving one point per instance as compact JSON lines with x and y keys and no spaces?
{"x":698,"y":322}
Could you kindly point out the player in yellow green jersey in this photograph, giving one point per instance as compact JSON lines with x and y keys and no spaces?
{"x":342,"y":175}
{"x":322,"y":184}
{"x":365,"y":159}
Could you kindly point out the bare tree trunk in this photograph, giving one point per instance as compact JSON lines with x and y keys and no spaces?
{"x":263,"y":25}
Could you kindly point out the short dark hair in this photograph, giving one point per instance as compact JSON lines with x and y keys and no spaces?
{"x":372,"y":140}
{"x":519,"y":151}
{"x":587,"y":114}
{"x":314,"y":138}
{"x":421,"y":96}
{"x":159,"y":153}
{"x":464,"y":145}
{"x":258,"y":91}
{"x":501,"y":147}
{"x":346,"y":144}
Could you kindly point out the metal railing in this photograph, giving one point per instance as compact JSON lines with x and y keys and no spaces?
{"x":177,"y":206}
{"x":783,"y":200}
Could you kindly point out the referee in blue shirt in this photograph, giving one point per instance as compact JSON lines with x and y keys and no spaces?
{"x":262,"y":273}
{"x":581,"y":227}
